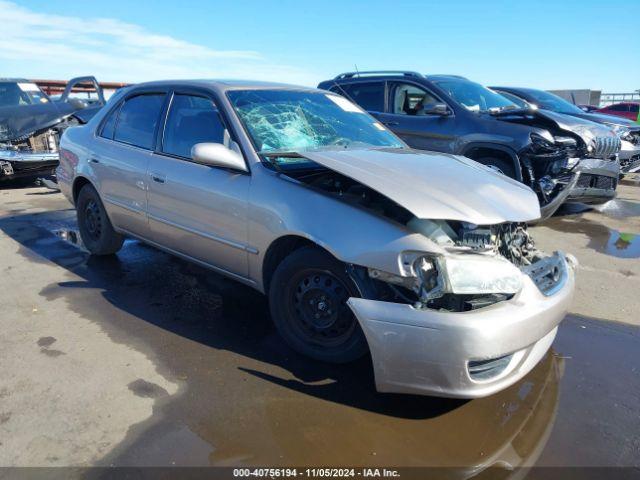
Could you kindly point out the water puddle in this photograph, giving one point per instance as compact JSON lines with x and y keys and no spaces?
{"x":601,"y":238}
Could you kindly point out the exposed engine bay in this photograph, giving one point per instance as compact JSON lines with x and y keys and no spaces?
{"x":508,"y":241}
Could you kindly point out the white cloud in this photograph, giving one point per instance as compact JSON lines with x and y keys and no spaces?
{"x":38,"y":45}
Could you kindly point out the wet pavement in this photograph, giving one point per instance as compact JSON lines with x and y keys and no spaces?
{"x":244,"y":398}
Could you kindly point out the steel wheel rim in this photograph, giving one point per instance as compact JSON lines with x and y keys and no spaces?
{"x":93,"y":220}
{"x":322,"y":316}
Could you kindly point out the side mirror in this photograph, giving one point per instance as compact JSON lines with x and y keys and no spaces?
{"x":436,"y":109}
{"x":217,"y":155}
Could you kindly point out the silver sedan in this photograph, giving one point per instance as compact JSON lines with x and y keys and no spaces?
{"x":362,"y":244}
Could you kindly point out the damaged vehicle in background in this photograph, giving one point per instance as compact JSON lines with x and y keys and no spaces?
{"x":448,"y":113}
{"x":31,"y":124}
{"x":627,"y":131}
{"x":361,"y":243}
{"x":599,"y":147}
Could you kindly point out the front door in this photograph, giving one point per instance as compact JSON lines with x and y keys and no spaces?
{"x":407,"y":118}
{"x":197,"y":210}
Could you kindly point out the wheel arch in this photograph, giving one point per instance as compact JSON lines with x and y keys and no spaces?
{"x":79,"y":182}
{"x":279,"y":249}
{"x":484,"y":149}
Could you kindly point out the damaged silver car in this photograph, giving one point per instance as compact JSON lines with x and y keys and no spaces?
{"x":361,"y":243}
{"x":31,"y":124}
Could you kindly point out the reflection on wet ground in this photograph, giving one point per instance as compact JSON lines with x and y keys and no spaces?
{"x":249,"y":400}
{"x":601,"y":238}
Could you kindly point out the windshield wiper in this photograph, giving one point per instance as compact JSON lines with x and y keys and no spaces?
{"x":278,"y":153}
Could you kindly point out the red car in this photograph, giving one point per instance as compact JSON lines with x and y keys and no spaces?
{"x":625,"y":109}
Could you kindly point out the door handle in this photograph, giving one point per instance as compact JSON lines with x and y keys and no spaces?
{"x":158,"y":177}
{"x":94,"y":159}
{"x":391,"y":124}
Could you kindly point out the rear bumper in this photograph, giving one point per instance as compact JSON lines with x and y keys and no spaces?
{"x":20,"y":165}
{"x":431,"y":352}
{"x":597,"y":181}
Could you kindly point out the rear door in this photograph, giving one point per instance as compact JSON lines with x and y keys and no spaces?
{"x":121,"y":156}
{"x":197,"y":210}
{"x":406,"y":116}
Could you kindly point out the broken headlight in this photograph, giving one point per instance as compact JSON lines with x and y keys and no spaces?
{"x":477,"y":274}
{"x":542,"y":144}
{"x":431,"y":276}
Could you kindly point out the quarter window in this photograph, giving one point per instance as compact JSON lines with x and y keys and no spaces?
{"x":191,"y":120}
{"x":138,"y":119}
{"x":370,"y":96}
{"x":110,"y":124}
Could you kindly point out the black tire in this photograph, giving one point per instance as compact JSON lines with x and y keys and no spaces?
{"x":307,"y":300}
{"x":96,"y":230}
{"x":503,"y":166}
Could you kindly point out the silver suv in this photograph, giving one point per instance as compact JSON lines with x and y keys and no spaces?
{"x":361,"y":243}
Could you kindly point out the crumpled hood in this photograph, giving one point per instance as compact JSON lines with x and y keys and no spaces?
{"x":16,"y":122}
{"x":435,"y":185}
{"x":586,"y":129}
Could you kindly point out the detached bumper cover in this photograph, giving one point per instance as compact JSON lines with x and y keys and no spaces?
{"x":431,"y":352}
{"x":597,"y":182}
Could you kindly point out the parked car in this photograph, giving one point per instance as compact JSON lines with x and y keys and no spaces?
{"x":629,"y":132}
{"x":451,"y":114}
{"x":624,"y":109}
{"x":31,"y":125}
{"x":360,"y":242}
{"x":588,"y":108}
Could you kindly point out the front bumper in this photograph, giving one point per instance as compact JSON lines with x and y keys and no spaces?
{"x":629,"y":157}
{"x":597,"y":181}
{"x":430,"y":352}
{"x":15,"y":164}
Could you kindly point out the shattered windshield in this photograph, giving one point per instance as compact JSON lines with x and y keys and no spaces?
{"x":15,"y":94}
{"x":552,"y":102}
{"x":290,"y":121}
{"x":475,"y":97}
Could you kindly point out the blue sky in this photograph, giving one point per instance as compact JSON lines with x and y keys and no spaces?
{"x":544,"y":44}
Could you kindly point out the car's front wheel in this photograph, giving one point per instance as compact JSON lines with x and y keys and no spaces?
{"x":307,"y":299}
{"x":96,"y":230}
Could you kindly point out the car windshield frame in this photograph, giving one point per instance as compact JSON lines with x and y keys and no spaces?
{"x":28,"y":92}
{"x":536,"y":95}
{"x":331,"y":123}
{"x":499,"y":102}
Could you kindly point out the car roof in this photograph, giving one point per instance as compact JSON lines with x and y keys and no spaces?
{"x":15,"y":80}
{"x":223,"y":84}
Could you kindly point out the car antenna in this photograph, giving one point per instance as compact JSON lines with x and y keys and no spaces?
{"x":357,"y":72}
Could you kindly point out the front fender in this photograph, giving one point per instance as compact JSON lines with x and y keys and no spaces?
{"x":281,"y":207}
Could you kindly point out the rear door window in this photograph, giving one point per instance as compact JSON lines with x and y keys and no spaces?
{"x":192,"y":119}
{"x":370,"y":96}
{"x":138,"y":119}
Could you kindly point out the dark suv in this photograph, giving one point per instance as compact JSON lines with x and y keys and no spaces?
{"x":451,"y":114}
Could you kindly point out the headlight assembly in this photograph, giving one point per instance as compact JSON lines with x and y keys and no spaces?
{"x":622,"y":131}
{"x":541,"y":144}
{"x":467,"y":274}
{"x":431,"y":276}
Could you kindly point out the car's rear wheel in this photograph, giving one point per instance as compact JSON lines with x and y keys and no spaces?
{"x":96,"y":230}
{"x":499,"y":165}
{"x":307,"y":299}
